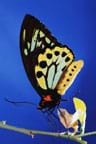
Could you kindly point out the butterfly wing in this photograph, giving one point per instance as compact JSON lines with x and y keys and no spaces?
{"x":45,"y":59}
{"x":68,"y":78}
{"x":34,"y":38}
{"x":49,"y":69}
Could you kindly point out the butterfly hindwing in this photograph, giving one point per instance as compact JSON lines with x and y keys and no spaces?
{"x":67,"y":79}
{"x":51,"y":65}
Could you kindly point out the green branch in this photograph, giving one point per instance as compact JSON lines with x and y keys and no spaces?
{"x":87,"y":134}
{"x":76,"y":138}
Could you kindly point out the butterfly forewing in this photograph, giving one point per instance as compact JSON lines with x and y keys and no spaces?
{"x":34,"y":39}
{"x":44,"y":58}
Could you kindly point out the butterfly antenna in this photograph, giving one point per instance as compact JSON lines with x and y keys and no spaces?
{"x":19,"y":102}
{"x":62,"y":100}
{"x":51,"y":112}
{"x":51,"y":117}
{"x":52,"y":121}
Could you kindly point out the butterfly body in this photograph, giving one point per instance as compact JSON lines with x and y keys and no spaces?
{"x":49,"y":101}
{"x":50,"y":66}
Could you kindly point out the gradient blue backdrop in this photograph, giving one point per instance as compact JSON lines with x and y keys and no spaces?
{"x":72,"y":23}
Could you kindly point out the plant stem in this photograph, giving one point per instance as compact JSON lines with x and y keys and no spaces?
{"x":87,"y":134}
{"x":76,"y":138}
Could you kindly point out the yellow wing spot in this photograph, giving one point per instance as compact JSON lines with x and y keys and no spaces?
{"x":42,"y":83}
{"x":38,"y":68}
{"x":24,"y":34}
{"x":52,"y":44}
{"x":39,"y":72}
{"x":47,"y":40}
{"x":28,"y":45}
{"x":25,"y":52}
{"x":68,"y":78}
{"x":67,"y":50}
{"x":41,"y":34}
{"x":57,"y":49}
{"x":69,"y":57}
{"x":39,"y":43}
{"x":41,"y":57}
{"x":48,"y":51}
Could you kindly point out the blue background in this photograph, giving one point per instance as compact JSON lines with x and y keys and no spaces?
{"x":72,"y":23}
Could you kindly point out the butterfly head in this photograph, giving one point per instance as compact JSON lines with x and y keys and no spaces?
{"x":49,"y":102}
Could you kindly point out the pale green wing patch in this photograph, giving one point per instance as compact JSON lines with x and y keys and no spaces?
{"x":56,"y":79}
{"x":34,"y":39}
{"x":51,"y":73}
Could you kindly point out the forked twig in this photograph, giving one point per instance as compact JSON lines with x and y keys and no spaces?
{"x":76,"y":138}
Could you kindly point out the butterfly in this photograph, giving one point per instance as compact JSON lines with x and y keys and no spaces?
{"x":50,"y":65}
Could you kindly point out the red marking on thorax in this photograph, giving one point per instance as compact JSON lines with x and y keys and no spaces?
{"x":47,"y":98}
